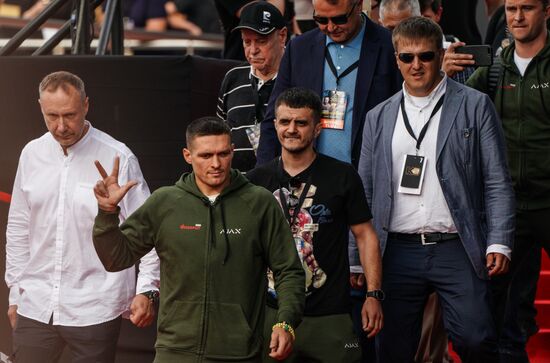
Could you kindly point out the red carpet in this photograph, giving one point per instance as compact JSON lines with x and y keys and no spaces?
{"x":538,"y":347}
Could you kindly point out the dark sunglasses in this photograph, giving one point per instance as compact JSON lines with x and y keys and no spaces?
{"x":424,"y":57}
{"x":336,"y":20}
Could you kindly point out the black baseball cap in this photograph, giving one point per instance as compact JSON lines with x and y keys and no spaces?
{"x":261,"y":17}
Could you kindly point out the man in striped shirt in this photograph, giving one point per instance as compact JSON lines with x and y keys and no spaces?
{"x":245,"y":90}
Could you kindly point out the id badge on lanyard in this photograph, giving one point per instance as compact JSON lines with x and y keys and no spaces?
{"x":414,"y":166}
{"x":335,"y":102}
{"x":333,"y":110}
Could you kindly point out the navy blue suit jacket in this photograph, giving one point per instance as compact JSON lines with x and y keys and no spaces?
{"x":303,"y":66}
{"x":471,"y":167}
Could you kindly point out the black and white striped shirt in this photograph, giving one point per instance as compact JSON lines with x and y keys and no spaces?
{"x":237,"y":106}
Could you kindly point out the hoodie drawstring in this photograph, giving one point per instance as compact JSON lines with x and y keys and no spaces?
{"x":226,"y":255}
{"x":212,"y":236}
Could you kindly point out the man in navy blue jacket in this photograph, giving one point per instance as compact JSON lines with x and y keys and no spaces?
{"x":347,"y":60}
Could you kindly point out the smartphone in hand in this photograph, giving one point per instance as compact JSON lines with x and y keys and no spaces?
{"x":483,"y":54}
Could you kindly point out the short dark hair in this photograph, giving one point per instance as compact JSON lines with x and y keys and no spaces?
{"x":298,"y":97}
{"x":63,"y":80}
{"x":206,"y":126}
{"x":544,"y":3}
{"x":418,"y":28}
{"x":432,"y":4}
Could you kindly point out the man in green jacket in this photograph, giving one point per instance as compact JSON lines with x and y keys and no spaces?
{"x":522,"y":99}
{"x":216,"y":234}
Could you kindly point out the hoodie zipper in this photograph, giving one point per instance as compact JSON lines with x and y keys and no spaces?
{"x":205,"y":313}
{"x":520,"y":133}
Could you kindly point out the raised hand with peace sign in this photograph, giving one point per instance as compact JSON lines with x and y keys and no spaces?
{"x":107,"y":191}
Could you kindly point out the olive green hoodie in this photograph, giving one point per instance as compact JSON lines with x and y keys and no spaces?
{"x":523,"y":104}
{"x":213,"y":259}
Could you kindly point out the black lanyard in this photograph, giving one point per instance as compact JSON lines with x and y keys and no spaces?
{"x":332,"y":67}
{"x":256,"y":98}
{"x":285,"y":204}
{"x":425,"y":128}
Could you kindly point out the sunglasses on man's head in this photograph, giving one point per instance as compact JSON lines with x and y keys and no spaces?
{"x":336,"y":20}
{"x":409,"y":57}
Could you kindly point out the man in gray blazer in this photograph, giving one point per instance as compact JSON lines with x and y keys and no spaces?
{"x":434,"y":168}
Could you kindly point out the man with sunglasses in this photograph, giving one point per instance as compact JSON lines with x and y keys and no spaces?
{"x":322,"y":199}
{"x":434,"y":168}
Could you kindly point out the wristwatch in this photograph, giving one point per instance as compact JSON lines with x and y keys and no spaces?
{"x":377,"y":294}
{"x":152,"y":295}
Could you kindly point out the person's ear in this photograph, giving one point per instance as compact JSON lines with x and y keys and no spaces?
{"x":187,"y":155}
{"x":318,"y":129}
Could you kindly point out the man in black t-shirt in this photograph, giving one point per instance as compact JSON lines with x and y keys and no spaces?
{"x":321,"y":197}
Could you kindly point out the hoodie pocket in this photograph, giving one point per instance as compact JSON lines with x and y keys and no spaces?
{"x":229,"y":334}
{"x":180,"y":327}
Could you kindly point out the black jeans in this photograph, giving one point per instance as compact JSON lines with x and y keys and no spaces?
{"x":34,"y":341}
{"x":514,"y":293}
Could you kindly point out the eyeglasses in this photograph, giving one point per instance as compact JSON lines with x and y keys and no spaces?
{"x":424,"y":57}
{"x":336,"y":20}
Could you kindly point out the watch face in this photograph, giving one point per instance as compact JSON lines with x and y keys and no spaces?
{"x":377,"y":294}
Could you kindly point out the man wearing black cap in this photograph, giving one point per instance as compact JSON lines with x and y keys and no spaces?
{"x":245,"y":89}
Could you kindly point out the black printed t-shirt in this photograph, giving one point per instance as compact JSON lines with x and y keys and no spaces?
{"x":335,"y":200}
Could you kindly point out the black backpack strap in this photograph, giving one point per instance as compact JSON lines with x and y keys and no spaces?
{"x":494,"y":77}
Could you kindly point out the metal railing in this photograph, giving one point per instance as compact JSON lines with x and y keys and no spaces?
{"x":82,"y":40}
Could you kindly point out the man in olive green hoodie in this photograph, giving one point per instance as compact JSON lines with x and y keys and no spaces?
{"x":522,"y":99}
{"x":216,"y":234}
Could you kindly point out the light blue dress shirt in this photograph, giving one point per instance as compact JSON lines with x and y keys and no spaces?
{"x":334,"y":142}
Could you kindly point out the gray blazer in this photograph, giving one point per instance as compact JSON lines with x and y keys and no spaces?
{"x":471,"y":167}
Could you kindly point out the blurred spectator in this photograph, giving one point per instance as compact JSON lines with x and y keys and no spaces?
{"x":149,"y":14}
{"x":393,"y":12}
{"x":195,"y":16}
{"x":304,"y":15}
{"x":374,"y":13}
{"x":31,"y":8}
{"x":459,"y":19}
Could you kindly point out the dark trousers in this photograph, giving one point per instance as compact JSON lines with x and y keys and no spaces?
{"x":514,"y":293}
{"x":34,"y":341}
{"x":319,"y":339}
{"x":411,"y":272}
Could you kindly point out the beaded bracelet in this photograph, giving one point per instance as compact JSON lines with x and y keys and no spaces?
{"x":286,"y":327}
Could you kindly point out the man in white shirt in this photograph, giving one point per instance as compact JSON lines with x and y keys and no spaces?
{"x":434,"y":169}
{"x":60,"y":294}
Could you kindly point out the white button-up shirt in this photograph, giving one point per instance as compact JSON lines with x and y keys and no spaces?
{"x":427,"y":212}
{"x":52,"y":268}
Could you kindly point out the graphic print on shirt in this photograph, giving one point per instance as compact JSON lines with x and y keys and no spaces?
{"x":303,"y":230}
